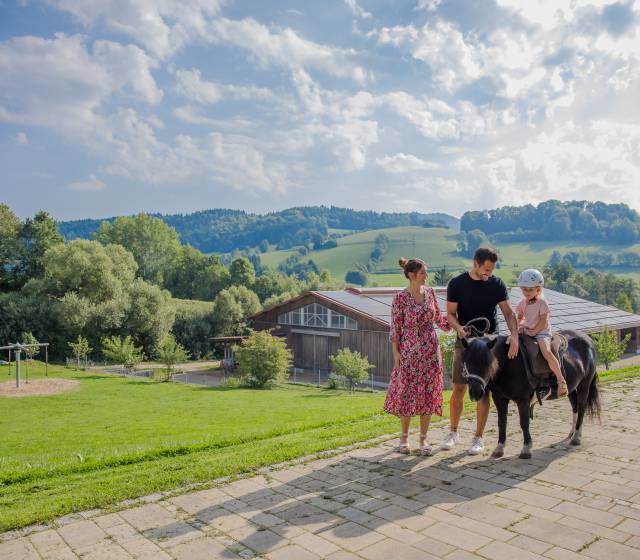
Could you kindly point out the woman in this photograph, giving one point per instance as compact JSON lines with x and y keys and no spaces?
{"x":416,"y":381}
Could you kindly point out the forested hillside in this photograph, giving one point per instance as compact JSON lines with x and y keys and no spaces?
{"x":222,"y":230}
{"x":555,"y":220}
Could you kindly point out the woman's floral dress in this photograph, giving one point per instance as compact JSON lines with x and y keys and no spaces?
{"x":416,"y":385}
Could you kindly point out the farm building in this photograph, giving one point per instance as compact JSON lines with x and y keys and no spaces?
{"x":317,"y":324}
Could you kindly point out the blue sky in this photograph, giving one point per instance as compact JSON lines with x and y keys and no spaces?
{"x":115,"y":107}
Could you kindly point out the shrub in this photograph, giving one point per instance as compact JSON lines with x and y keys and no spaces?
{"x":356,"y":277}
{"x":172,"y":353}
{"x":335,"y":381}
{"x":607,"y":346}
{"x":122,"y":351}
{"x":350,"y":365}
{"x":80,"y":349}
{"x":447,"y":345}
{"x":263,"y":359}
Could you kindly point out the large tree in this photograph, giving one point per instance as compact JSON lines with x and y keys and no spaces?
{"x":155,"y":245}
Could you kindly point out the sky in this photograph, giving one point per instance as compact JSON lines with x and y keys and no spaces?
{"x":172,"y":106}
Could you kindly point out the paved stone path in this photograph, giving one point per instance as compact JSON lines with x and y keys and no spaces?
{"x":563,"y":504}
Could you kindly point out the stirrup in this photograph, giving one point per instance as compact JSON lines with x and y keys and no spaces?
{"x":404,"y":447}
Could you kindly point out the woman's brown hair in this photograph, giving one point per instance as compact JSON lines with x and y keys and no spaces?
{"x":411,"y":265}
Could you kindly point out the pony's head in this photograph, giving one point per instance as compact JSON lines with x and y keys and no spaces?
{"x":479,"y":364}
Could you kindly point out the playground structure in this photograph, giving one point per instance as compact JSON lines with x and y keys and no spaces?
{"x":17,"y":348}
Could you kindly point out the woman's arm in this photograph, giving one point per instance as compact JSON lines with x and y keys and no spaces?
{"x":395,"y":329}
{"x":441,"y":321}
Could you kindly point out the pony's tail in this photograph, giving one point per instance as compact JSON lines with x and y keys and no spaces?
{"x":594,"y":407}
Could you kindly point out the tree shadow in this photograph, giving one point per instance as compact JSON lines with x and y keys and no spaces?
{"x":345,"y":499}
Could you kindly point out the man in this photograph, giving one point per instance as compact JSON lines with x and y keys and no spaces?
{"x":472,"y":294}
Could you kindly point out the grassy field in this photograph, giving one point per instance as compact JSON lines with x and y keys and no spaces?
{"x":437,"y":246}
{"x":116,"y":438}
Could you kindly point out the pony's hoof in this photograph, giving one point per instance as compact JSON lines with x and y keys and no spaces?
{"x":497,"y":453}
{"x":575,"y":441}
{"x":525,"y":455}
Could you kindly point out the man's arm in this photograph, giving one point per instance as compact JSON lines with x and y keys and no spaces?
{"x":512,"y":323}
{"x":452,"y":317}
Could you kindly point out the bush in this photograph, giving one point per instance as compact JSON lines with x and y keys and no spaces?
{"x":350,"y":365}
{"x":447,"y":345}
{"x":122,"y":351}
{"x":81,"y":350}
{"x":335,"y":381}
{"x":171,"y":353}
{"x":608,"y":348}
{"x":356,"y":277}
{"x":264,"y":359}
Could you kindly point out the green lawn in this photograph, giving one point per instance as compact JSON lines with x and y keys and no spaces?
{"x":117,"y":438}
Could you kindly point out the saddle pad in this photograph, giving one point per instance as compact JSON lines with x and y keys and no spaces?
{"x":539,"y":366}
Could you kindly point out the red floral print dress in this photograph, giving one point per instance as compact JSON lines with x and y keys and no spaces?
{"x":416,"y":385}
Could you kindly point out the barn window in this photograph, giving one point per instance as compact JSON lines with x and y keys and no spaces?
{"x":316,"y":315}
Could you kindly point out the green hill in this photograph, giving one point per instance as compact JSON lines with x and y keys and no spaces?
{"x":437,"y":246}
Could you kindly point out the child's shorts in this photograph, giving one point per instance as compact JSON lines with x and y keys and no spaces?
{"x":543,"y":334}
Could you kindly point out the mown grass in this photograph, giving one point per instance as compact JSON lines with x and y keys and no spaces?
{"x":115,"y":438}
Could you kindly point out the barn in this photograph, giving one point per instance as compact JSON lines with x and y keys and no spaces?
{"x":316,"y":324}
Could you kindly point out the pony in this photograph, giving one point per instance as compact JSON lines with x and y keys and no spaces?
{"x":488,"y":369}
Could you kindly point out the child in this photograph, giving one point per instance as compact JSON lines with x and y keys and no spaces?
{"x":533,"y":319}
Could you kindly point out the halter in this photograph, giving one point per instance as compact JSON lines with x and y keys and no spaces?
{"x":476,"y":332}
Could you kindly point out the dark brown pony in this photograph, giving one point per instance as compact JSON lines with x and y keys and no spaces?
{"x":489,"y":370}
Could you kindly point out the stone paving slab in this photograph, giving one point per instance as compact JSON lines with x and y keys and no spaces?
{"x":565,"y":503}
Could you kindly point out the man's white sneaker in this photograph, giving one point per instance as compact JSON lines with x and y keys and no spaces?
{"x":450,"y":441}
{"x":477,"y":446}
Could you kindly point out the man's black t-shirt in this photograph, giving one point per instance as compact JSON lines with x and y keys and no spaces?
{"x":477,"y":298}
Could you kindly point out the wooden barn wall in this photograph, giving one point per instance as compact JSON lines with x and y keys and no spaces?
{"x":371,"y":339}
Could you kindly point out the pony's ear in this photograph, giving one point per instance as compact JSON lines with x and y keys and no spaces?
{"x":492,"y":342}
{"x":465,"y":342}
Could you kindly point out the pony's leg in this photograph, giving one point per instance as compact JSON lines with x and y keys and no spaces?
{"x":523,"y":410}
{"x":582,"y":395}
{"x":573,"y":399}
{"x":502,"y":406}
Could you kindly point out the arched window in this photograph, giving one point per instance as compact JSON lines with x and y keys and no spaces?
{"x":316,"y":315}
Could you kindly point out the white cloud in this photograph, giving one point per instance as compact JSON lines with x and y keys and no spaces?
{"x":357,"y":10}
{"x":405,"y":163}
{"x":194,"y":115}
{"x":91,"y":184}
{"x":21,"y":139}
{"x":160,"y":27}
{"x":284,"y":47}
{"x":193,"y":87}
{"x":60,"y":84}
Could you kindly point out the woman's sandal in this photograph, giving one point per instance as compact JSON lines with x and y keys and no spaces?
{"x":563,"y":390}
{"x":425,"y":449}
{"x":404,"y":447}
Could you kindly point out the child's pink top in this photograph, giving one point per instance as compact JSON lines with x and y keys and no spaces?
{"x":532,"y":312}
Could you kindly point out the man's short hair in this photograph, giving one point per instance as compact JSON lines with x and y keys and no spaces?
{"x":483,"y":254}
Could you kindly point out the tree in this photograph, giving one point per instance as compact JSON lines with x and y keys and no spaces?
{"x":623,"y":301}
{"x":231,"y":309}
{"x":36,"y":236}
{"x":608,"y":348}
{"x":356,"y":277}
{"x":123,"y":351}
{"x":172,"y":353}
{"x":9,"y":228}
{"x":241,"y":272}
{"x":80,"y":349}
{"x":155,"y":246}
{"x":350,"y":365}
{"x":442,"y":276}
{"x":263,"y":359}
{"x":28,"y":338}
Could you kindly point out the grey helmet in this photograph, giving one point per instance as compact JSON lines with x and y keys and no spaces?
{"x":530,"y":278}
